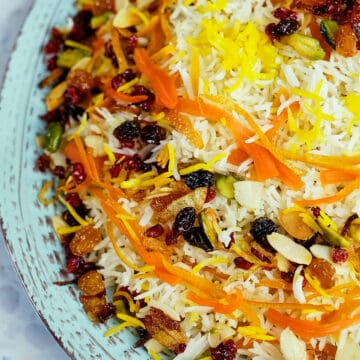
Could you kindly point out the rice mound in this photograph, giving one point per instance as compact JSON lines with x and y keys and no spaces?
{"x":239,"y":62}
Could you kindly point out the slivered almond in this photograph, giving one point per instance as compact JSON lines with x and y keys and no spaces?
{"x":289,"y":249}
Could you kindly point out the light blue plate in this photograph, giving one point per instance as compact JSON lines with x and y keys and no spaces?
{"x":26,"y":223}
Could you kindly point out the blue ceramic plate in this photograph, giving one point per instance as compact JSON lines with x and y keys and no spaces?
{"x":26,"y":223}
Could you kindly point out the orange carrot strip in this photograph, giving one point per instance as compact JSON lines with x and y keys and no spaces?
{"x":335,"y":176}
{"x":154,"y":21}
{"x":292,"y":306}
{"x":119,"y":96}
{"x":71,"y":152}
{"x":83,"y":157}
{"x":237,"y":157}
{"x":183,"y":125}
{"x":279,"y":120}
{"x":308,"y":329}
{"x":346,"y":190}
{"x":115,"y":41}
{"x":162,"y":84}
{"x":157,"y":39}
{"x":275,"y":284}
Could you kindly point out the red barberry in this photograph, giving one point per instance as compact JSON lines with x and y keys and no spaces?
{"x":339,"y":255}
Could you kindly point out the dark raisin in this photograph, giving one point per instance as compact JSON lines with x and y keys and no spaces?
{"x":152,"y":134}
{"x":339,"y":255}
{"x":200,"y":178}
{"x":42,"y":163}
{"x":78,"y":173}
{"x":128,"y":75}
{"x":142,"y":90}
{"x":241,"y":263}
{"x":225,"y":351}
{"x":109,"y":53}
{"x":128,"y":130}
{"x":197,"y":237}
{"x":51,"y":63}
{"x":127,"y":144}
{"x":286,"y":27}
{"x":69,"y":219}
{"x":81,"y":26}
{"x":154,"y":231}
{"x":184,"y":220}
{"x":260,"y":228}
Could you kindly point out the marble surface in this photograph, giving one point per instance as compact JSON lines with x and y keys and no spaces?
{"x":23,"y":336}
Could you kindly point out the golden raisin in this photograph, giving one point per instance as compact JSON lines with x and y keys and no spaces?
{"x":93,"y":305}
{"x":346,"y":41}
{"x":324,"y":271}
{"x":91,"y":283}
{"x":80,"y":79}
{"x":85,"y":240}
{"x":160,"y":203}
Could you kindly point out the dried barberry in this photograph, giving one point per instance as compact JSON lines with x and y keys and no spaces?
{"x":73,"y":95}
{"x":260,"y":228}
{"x":197,"y":237}
{"x":75,"y":264}
{"x":225,"y":351}
{"x":55,"y":43}
{"x":42,"y":163}
{"x":200,"y":178}
{"x":128,"y":130}
{"x":59,"y":171}
{"x":339,"y":255}
{"x":78,"y":173}
{"x":152,"y":134}
{"x":154,"y":231}
{"x":241,"y":263}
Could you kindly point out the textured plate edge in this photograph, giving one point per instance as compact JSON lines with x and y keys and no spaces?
{"x":3,"y":230}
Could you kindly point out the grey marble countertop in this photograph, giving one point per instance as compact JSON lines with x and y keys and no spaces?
{"x":23,"y":336}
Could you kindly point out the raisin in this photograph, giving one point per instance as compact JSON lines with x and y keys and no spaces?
{"x":197,"y":237}
{"x":109,"y":53}
{"x":93,"y":305}
{"x":285,"y":27}
{"x":324,"y":271}
{"x":152,"y":134}
{"x":339,"y":255}
{"x":260,"y":228}
{"x":284,"y":13}
{"x":73,"y":95}
{"x":128,"y":75}
{"x":59,"y":171}
{"x":260,"y":255}
{"x":81,"y":80}
{"x":69,"y":219}
{"x":184,"y":220}
{"x":241,"y":263}
{"x":107,"y":312}
{"x":179,"y":348}
{"x":82,"y":27}
{"x":91,"y":283}
{"x":128,"y":130}
{"x":200,"y":178}
{"x":85,"y":240}
{"x":287,"y":276}
{"x":116,"y":81}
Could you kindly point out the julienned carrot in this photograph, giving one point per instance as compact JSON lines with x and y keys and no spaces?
{"x":83,"y":156}
{"x":71,"y":152}
{"x":279,"y":120}
{"x":183,"y":125}
{"x":266,"y":163}
{"x":289,"y":306}
{"x":162,"y":83}
{"x":336,"y":176}
{"x":309,"y":329}
{"x":237,"y":157}
{"x":120,"y":56}
{"x":275,"y":284}
{"x":119,"y":96}
{"x":340,"y":195}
